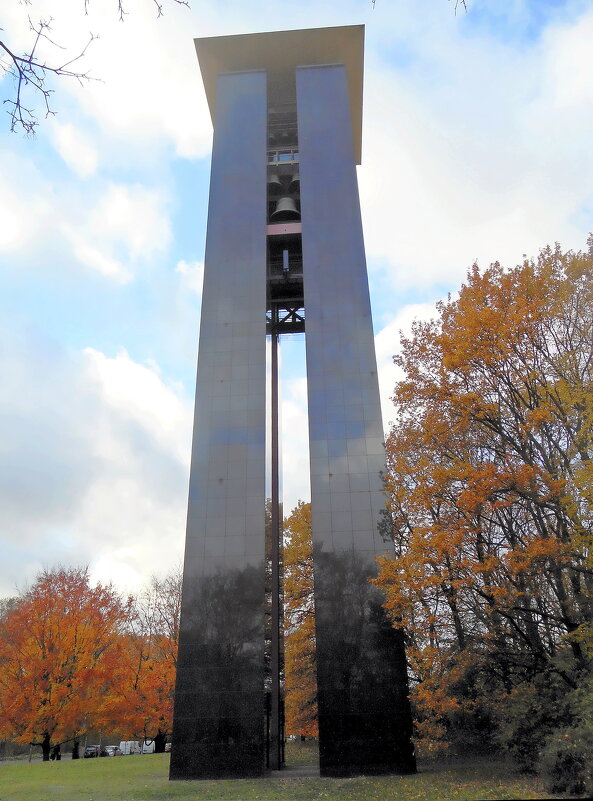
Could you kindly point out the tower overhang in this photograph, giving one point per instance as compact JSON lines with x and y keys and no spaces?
{"x":279,"y":53}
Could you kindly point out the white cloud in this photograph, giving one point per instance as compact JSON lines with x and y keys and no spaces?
{"x":111,"y":228}
{"x":137,"y":393}
{"x":94,"y":464}
{"x":137,"y":507}
{"x":95,"y":260}
{"x":13,"y":226}
{"x":133,"y":216}
{"x":24,"y":203}
{"x":75,"y":150}
{"x":477,"y":150}
{"x":568,"y":62}
{"x":149,"y":93}
{"x":193,"y":275}
{"x":387,"y":345}
{"x":126,"y":225}
{"x":145,"y":90}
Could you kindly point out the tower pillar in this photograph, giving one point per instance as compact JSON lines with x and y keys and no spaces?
{"x":219,"y":706}
{"x":364,"y":715}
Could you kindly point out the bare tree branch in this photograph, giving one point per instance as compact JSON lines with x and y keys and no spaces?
{"x":159,"y":7}
{"x":457,"y":4}
{"x":30,"y":72}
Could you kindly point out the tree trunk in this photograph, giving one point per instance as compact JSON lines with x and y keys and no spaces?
{"x":159,"y":742}
{"x":46,"y":746}
{"x":76,"y":749}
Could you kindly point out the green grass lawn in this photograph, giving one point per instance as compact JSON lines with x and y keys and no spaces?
{"x":144,"y":778}
{"x":298,"y":753}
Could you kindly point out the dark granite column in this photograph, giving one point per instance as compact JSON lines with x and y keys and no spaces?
{"x":364,"y":713}
{"x":219,"y":702}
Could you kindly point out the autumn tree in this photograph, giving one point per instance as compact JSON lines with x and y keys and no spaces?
{"x":140,"y":697}
{"x":491,"y":497}
{"x":57,"y":651}
{"x":299,"y":619}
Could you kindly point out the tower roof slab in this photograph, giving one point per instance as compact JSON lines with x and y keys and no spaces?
{"x":279,"y":53}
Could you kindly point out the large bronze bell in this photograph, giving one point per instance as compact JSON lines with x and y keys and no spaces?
{"x":286,"y":209}
{"x":295,"y":183}
{"x":274,"y":184}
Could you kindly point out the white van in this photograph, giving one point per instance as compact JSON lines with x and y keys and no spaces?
{"x":148,"y":747}
{"x":130,"y":747}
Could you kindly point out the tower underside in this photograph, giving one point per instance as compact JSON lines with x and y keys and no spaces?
{"x":285,"y":253}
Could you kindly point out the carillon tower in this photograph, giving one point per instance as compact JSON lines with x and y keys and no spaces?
{"x":284,"y":254}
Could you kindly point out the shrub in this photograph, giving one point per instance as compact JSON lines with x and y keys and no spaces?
{"x":566,"y":761}
{"x":528,"y":716}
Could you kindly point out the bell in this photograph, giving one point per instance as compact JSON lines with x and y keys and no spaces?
{"x":295,"y":183}
{"x":285,"y":210}
{"x":274,"y":184}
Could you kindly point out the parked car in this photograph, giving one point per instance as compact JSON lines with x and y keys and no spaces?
{"x":113,"y":750}
{"x":167,"y":748}
{"x":92,"y":751}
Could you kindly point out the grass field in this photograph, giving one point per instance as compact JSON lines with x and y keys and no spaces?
{"x":144,"y":778}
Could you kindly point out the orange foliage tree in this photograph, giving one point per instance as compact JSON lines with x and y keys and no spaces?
{"x":299,"y":619}
{"x":140,"y":700}
{"x":57,"y":654}
{"x":490,"y":475}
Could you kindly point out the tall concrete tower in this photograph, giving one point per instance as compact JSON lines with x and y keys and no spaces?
{"x":285,"y":253}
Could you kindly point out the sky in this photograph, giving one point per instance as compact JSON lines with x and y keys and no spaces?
{"x":477,"y":134}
